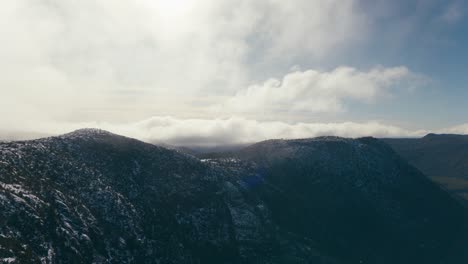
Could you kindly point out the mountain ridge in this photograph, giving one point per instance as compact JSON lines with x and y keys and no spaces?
{"x":91,"y":196}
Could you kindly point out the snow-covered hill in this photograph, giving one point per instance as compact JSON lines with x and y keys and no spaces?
{"x":91,"y":196}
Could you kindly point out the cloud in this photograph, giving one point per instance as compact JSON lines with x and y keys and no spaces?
{"x":70,"y":64}
{"x":318,"y":91}
{"x":235,"y":130}
{"x":459,"y":129}
{"x":240,"y":130}
{"x":91,"y":59}
{"x":304,"y":27}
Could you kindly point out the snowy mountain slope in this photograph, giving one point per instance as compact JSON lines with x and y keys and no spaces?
{"x":94,"y":197}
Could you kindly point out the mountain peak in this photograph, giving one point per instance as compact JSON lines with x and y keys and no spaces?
{"x":431,"y":135}
{"x":443,"y":136}
{"x":88,"y":133}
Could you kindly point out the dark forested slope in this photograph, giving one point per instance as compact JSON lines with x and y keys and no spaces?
{"x":94,"y":197}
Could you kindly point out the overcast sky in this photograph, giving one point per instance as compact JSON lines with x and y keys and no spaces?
{"x":234,"y":71}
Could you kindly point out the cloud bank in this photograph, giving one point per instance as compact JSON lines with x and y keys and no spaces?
{"x":114,"y":60}
{"x":459,"y":129}
{"x":235,"y":130}
{"x":318,"y":91}
{"x":217,"y":68}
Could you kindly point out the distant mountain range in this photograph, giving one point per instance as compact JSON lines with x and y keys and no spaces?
{"x":91,"y":196}
{"x":444,"y":158}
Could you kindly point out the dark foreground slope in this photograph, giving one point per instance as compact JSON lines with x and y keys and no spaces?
{"x":358,"y":198}
{"x":91,"y":196}
{"x":444,"y":158}
{"x":94,"y":197}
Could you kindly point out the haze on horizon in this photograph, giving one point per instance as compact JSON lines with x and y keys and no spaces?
{"x":234,"y":71}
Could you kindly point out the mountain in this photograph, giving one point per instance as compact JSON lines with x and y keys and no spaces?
{"x":91,"y":196}
{"x":358,"y":197}
{"x":443,"y":157}
{"x":94,"y":197}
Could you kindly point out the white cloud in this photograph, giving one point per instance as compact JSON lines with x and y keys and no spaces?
{"x":317,"y":91}
{"x":70,"y":64}
{"x":295,"y":28}
{"x":90,"y":59}
{"x":459,"y":129}
{"x":235,"y":130}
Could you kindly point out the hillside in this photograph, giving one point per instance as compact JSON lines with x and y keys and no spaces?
{"x":361,"y":197}
{"x":443,"y":157}
{"x":95,"y":197}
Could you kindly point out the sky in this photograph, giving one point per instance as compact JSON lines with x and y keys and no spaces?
{"x":211,"y":72}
